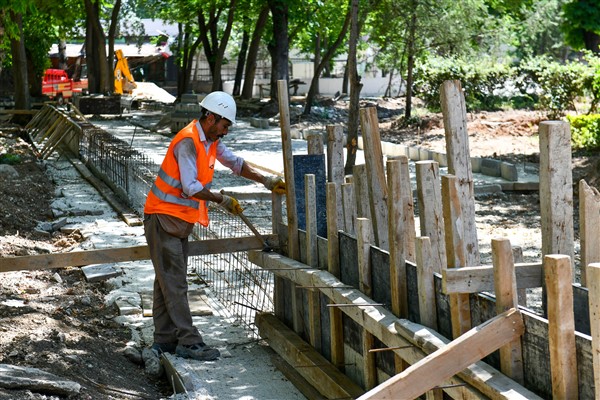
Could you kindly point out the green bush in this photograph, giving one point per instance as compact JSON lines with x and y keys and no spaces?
{"x":585,"y":131}
{"x":480,"y":82}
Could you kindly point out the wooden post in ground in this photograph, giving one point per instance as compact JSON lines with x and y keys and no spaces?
{"x":314,"y":143}
{"x":375,"y":175}
{"x":397,"y":235}
{"x":505,"y":282}
{"x":361,"y":192}
{"x":349,"y":206}
{"x":459,"y":164}
{"x":408,"y":208}
{"x":312,"y":259}
{"x":364,"y":238}
{"x":335,"y":165}
{"x":589,"y":228}
{"x":293,"y":249}
{"x":561,"y":326}
{"x":431,"y":218}
{"x":456,"y":253}
{"x":593,"y":282}
{"x":279,"y":288}
{"x":288,"y":163}
{"x":556,"y":188}
{"x":517,"y":252}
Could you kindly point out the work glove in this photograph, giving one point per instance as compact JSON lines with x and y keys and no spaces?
{"x":231,"y":204}
{"x":275,"y":184}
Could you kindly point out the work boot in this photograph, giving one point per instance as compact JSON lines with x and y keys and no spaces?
{"x":197,"y":351}
{"x":151,"y":356}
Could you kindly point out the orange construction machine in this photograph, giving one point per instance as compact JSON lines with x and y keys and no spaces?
{"x":124,"y":82}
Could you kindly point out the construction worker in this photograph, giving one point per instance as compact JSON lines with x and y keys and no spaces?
{"x":178,"y":199}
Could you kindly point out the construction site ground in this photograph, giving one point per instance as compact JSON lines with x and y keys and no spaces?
{"x":58,"y":322}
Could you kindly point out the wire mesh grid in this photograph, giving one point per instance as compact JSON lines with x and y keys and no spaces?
{"x":242,"y":287}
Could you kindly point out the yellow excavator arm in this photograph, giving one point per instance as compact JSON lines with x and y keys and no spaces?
{"x":124,"y":82}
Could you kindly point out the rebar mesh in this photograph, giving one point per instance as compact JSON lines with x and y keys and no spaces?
{"x":242,"y":287}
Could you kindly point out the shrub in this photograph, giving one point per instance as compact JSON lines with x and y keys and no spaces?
{"x":585,"y":131}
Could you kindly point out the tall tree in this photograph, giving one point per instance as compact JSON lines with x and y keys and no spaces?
{"x":19,"y":70}
{"x":249,"y":75}
{"x":355,"y":88}
{"x":582,"y":24}
{"x":279,"y":48}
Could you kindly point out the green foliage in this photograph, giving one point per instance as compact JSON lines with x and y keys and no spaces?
{"x":10,"y":159}
{"x":581,"y":17}
{"x":585,"y":131}
{"x":558,"y":84}
{"x":480,"y":81}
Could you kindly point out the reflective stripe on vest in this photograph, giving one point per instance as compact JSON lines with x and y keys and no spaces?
{"x":166,"y":195}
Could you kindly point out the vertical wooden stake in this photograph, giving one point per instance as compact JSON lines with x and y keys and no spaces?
{"x":505,"y":282}
{"x":456,"y":253}
{"x":397,"y":236}
{"x":593,"y":281}
{"x":408,"y":208}
{"x":349,"y":205}
{"x":279,"y":288}
{"x":589,"y":227}
{"x":314,"y":143}
{"x":361,"y":192}
{"x":335,"y":164}
{"x":517,"y":252}
{"x":312,"y":259}
{"x":336,"y":330}
{"x":425,"y":281}
{"x":288,"y":163}
{"x":431,"y":218}
{"x":459,"y":164}
{"x":561,"y":327}
{"x":364,"y":237}
{"x":375,"y":175}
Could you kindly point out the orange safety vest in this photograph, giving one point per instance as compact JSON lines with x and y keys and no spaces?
{"x":166,"y":195}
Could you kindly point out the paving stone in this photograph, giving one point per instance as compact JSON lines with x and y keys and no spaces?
{"x":509,"y":172}
{"x":36,"y":380}
{"x":490,"y":167}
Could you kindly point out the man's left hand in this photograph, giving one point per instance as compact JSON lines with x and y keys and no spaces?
{"x":275,"y":184}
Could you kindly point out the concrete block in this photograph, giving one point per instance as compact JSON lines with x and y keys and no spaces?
{"x":440,"y":158}
{"x":476,"y":164}
{"x":264,"y":123}
{"x":360,"y":143}
{"x":295,"y":133}
{"x":490,"y":167}
{"x":488,"y":189}
{"x":425,"y":154}
{"x":100,"y":272}
{"x":395,"y":150}
{"x":509,"y":172}
{"x":414,"y":154}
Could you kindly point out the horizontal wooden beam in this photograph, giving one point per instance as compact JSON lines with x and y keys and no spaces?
{"x":315,"y":368}
{"x":122,"y":254}
{"x":468,"y":348}
{"x":484,"y":382}
{"x":481,"y":279}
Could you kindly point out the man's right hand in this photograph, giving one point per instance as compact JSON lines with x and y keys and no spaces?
{"x":231,"y":204}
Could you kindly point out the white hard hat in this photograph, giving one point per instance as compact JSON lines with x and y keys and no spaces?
{"x":220,"y":103}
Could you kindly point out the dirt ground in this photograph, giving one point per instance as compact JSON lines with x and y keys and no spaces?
{"x":62,"y":325}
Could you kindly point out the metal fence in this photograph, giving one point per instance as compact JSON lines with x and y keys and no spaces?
{"x":242,"y":287}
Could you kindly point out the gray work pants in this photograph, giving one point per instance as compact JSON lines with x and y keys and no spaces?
{"x":170,"y":310}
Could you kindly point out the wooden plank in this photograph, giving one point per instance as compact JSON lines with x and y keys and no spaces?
{"x":456,"y":252}
{"x":361,"y":192}
{"x":589,"y":227}
{"x":442,"y":364}
{"x":413,"y":341}
{"x":425,"y":261}
{"x":511,"y":354}
{"x":594,"y":300}
{"x":333,"y":241}
{"x":122,"y":254}
{"x":481,"y":278}
{"x":349,"y":206}
{"x":319,"y":372}
{"x":286,"y":141}
{"x":375,"y":175}
{"x":312,"y":256}
{"x":561,"y":326}
{"x":556,"y":188}
{"x":278,"y":284}
{"x":335,"y":165}
{"x":314,"y":143}
{"x":408,"y":208}
{"x":517,"y":252}
{"x":364,"y":237}
{"x":397,"y":234}
{"x":459,"y":164}
{"x":308,"y":390}
{"x":431,"y":218}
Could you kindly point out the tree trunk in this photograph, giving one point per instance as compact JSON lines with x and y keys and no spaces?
{"x":316,"y":62}
{"x":355,"y":88}
{"x":104,"y":75}
{"x":280,"y":48}
{"x":17,"y":50}
{"x":592,"y":41}
{"x":62,"y":54}
{"x":250,"y":74}
{"x":114,"y":18}
{"x":412,"y":29}
{"x":220,"y":54}
{"x":239,"y":69}
{"x":314,"y":84}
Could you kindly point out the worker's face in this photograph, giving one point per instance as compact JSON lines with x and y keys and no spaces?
{"x":218,"y":128}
